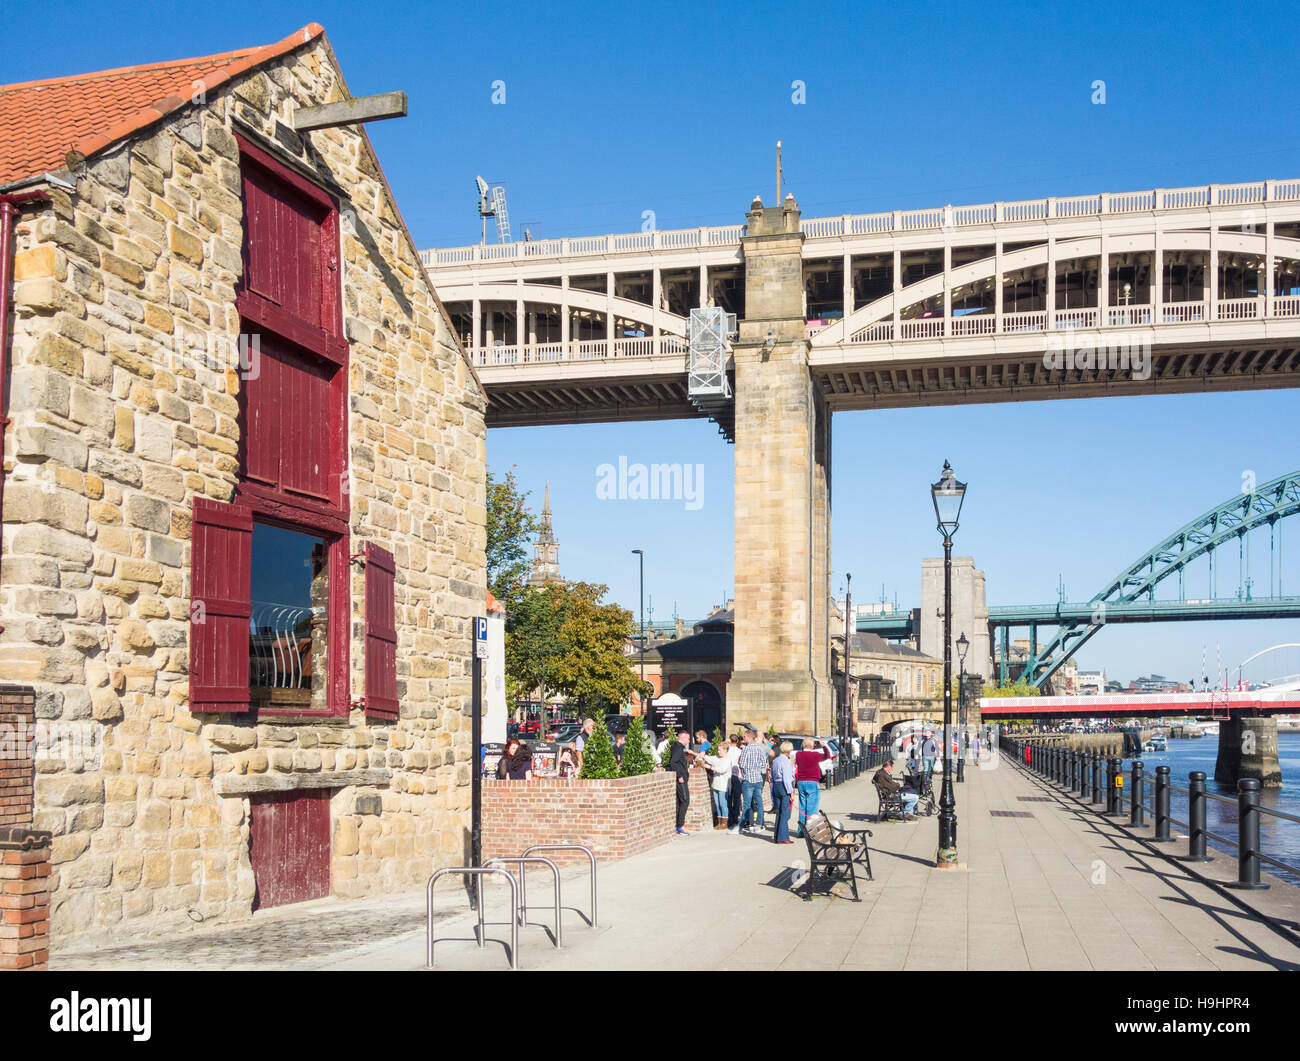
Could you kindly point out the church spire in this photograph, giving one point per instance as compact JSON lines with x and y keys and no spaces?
{"x":546,"y":551}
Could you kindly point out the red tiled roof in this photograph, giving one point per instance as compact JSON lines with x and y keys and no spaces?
{"x":42,"y":121}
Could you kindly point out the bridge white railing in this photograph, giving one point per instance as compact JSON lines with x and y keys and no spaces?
{"x":628,"y":348}
{"x":945,"y":217}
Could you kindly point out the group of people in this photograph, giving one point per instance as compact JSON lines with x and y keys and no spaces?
{"x":746,"y":769}
{"x":516,"y":763}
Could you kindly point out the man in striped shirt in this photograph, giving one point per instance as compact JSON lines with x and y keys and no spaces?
{"x":753,"y":769}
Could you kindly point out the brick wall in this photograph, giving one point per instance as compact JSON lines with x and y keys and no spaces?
{"x":615,"y":818}
{"x":17,"y":729}
{"x":24,"y":899}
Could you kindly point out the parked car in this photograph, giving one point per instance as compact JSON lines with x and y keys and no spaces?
{"x":565,"y":733}
{"x":617,"y":724}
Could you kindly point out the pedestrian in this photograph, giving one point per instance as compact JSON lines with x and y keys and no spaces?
{"x":588,"y":727}
{"x":734,"y":791}
{"x":503,"y":764}
{"x":782,"y":791}
{"x":929,"y":749}
{"x":719,"y":767}
{"x":808,"y":779}
{"x":753,"y":768}
{"x":521,"y":763}
{"x":702,"y":742}
{"x":619,"y":741}
{"x":680,"y":765}
{"x":568,"y":766}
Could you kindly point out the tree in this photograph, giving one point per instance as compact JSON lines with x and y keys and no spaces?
{"x":533,"y":645}
{"x":598,"y":759}
{"x":1020,"y":687}
{"x":592,"y":670}
{"x":638,"y":755}
{"x":667,"y":753}
{"x":510,"y":526}
{"x":715,"y":742}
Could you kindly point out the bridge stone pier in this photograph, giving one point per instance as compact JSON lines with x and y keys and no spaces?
{"x":782,"y":492}
{"x":1248,"y":748}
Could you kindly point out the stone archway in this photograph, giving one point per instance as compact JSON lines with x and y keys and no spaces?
{"x":706,"y":704}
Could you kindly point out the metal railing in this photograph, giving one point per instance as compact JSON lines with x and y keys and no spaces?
{"x":1071,"y":770}
{"x":523,"y":862}
{"x":1199,"y":197}
{"x":562,"y":847}
{"x":478,"y":872}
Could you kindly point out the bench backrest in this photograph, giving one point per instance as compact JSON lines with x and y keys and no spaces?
{"x":819,"y":829}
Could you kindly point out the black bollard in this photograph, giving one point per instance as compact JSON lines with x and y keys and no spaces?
{"x":1137,"y":812}
{"x":1196,"y":818}
{"x":1077,"y":787}
{"x":1115,"y":787}
{"x":1162,"y":806}
{"x":1096,"y":778}
{"x":1248,"y":836}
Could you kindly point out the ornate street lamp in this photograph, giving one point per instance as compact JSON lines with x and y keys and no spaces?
{"x":645,"y":707}
{"x":947,"y":495}
{"x":962,"y":646}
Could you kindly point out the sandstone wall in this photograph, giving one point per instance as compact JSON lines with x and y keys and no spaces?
{"x":125,"y":409}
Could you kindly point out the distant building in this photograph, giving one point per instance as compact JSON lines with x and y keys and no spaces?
{"x":1091,"y":682}
{"x":1157,"y":683}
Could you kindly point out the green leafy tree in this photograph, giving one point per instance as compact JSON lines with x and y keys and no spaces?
{"x":592,"y":670}
{"x":598,"y":759}
{"x":533,"y":644}
{"x":715,"y":742}
{"x":1020,"y":687}
{"x":510,"y":526}
{"x":638,"y":755}
{"x":666,"y":756}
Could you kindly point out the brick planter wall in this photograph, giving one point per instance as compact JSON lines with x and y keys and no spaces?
{"x":615,"y":818}
{"x":17,"y":729}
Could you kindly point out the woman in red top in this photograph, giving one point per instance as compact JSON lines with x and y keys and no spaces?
{"x":808,"y":778}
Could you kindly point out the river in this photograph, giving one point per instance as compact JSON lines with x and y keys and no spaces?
{"x":1278,"y":838}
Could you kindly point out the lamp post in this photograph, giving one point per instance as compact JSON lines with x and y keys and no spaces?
{"x":846,"y":707}
{"x":962,"y":646}
{"x":947,"y":495}
{"x":645,"y":711}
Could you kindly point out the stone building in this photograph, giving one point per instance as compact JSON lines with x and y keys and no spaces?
{"x":243,"y":496}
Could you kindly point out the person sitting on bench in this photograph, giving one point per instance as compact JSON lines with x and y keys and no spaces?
{"x":886,"y":781}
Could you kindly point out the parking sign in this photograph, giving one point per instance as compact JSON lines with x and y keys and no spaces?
{"x":480,"y":637}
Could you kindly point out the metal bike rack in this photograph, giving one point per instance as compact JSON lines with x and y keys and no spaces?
{"x":523,"y":892}
{"x":521,"y":913}
{"x":478,"y":872}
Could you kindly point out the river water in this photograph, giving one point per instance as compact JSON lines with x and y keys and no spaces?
{"x":1279,"y":839}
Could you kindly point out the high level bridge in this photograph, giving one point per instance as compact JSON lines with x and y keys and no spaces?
{"x":1157,"y":291}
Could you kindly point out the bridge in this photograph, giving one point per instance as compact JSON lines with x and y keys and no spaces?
{"x":904,"y":308}
{"x":1260,"y":702}
{"x":1157,"y":291}
{"x":1129,"y":597}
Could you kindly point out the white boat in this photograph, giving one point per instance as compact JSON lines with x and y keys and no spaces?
{"x":1156,"y":744}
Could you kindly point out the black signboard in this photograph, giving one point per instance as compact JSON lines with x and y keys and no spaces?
{"x":544,"y":764}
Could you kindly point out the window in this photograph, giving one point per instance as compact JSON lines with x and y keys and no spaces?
{"x":288,"y":659}
{"x":270,"y":573}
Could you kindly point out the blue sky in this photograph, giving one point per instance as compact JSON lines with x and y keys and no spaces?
{"x":614,"y":109}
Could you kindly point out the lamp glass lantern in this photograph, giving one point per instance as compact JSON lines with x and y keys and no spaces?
{"x":947,"y":495}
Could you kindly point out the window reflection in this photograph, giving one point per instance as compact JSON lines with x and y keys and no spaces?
{"x":288,"y":650}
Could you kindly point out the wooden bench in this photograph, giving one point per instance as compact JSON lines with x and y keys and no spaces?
{"x":835,"y":854}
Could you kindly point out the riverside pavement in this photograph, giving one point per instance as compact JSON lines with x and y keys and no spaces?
{"x":1057,"y":887}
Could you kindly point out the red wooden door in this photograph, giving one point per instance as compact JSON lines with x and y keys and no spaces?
{"x":290,"y":847}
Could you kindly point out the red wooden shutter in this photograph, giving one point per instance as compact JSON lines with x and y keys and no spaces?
{"x":381,"y":634}
{"x":221,"y":555}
